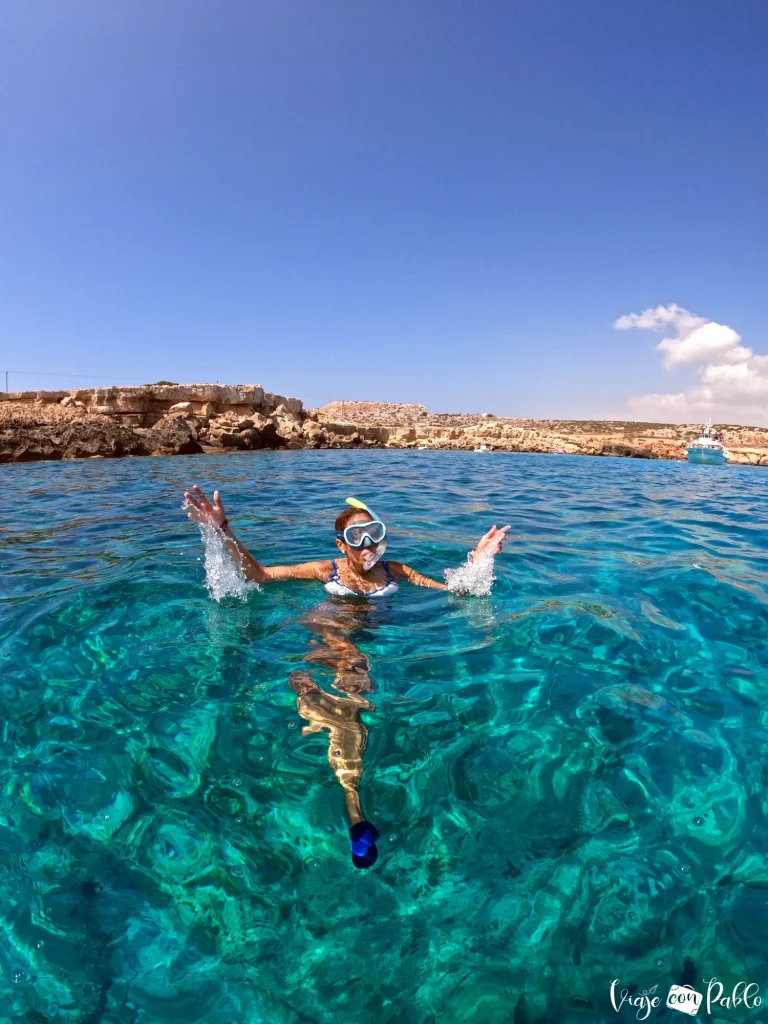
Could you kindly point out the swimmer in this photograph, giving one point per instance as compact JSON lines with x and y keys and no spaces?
{"x":361,"y":539}
{"x":359,"y":573}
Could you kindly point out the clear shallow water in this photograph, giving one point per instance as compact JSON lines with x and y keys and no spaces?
{"x":569,"y":776}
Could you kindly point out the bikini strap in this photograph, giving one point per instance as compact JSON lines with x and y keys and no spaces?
{"x":335,"y":575}
{"x":390,"y":577}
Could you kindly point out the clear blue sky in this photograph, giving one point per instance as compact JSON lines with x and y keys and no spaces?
{"x":419,"y":200}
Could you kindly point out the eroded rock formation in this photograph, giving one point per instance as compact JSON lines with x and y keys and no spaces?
{"x":175,"y":419}
{"x":159,"y":419}
{"x":407,"y":427}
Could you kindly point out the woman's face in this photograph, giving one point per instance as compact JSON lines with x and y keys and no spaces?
{"x":356,"y":556}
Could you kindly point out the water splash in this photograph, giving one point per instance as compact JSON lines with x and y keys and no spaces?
{"x":473,"y":577}
{"x":223,"y":577}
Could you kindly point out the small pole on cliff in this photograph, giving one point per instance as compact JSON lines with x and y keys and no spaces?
{"x":6,"y":380}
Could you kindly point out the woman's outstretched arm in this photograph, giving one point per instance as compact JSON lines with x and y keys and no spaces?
{"x":201,"y":510}
{"x":401,"y":571}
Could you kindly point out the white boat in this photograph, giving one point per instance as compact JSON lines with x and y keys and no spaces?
{"x":707,"y":449}
{"x":483,"y":448}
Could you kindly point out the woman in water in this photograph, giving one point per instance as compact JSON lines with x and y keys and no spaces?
{"x":360,"y":537}
{"x":359,"y":573}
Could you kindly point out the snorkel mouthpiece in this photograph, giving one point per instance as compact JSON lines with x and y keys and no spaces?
{"x":370,"y":558}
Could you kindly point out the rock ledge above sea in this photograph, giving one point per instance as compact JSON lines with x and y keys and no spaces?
{"x":158,"y":419}
{"x":188,"y":419}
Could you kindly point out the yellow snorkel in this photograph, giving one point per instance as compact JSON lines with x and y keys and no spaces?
{"x":359,"y":504}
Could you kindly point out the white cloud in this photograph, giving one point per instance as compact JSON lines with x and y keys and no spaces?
{"x":657,"y":319}
{"x":733,"y":380}
{"x":696,"y":340}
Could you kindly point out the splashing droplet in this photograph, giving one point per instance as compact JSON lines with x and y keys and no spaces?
{"x":223,"y":577}
{"x":473,"y":577}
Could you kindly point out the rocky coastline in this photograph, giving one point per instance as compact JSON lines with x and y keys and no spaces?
{"x":175,"y":419}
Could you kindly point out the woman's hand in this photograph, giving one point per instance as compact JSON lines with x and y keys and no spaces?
{"x":202,"y":511}
{"x":491,"y":542}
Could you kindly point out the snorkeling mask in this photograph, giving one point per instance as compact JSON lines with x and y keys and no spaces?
{"x":370,"y":535}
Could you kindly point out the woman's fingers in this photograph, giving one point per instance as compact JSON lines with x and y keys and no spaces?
{"x":203,"y":500}
{"x":501,"y":536}
{"x":494,"y":539}
{"x":191,"y":499}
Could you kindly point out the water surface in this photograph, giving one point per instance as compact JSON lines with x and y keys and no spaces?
{"x":569,"y":776}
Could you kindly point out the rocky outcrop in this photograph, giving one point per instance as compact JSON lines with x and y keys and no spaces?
{"x":176,"y":419}
{"x":171,"y":437}
{"x":401,"y":426}
{"x":143,"y":406}
{"x":380,"y":413}
{"x":75,"y":440}
{"x":159,"y":419}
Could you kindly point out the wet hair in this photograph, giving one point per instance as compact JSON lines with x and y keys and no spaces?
{"x":343,"y":518}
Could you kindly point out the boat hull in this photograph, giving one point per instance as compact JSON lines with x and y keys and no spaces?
{"x":706,"y":457}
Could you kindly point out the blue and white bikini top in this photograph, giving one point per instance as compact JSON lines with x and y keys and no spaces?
{"x":338,"y":589}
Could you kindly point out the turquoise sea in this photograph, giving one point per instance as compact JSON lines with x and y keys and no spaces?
{"x":570,"y":777}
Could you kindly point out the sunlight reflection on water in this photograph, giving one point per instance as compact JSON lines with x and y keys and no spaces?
{"x":568,"y":775}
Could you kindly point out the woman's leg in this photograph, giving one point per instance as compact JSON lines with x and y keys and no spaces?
{"x":347,"y":736}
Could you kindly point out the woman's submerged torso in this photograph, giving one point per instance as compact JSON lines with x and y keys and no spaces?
{"x":338,"y":589}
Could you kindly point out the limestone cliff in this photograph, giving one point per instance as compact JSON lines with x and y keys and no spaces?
{"x":413,"y":427}
{"x":157,"y":419}
{"x":164,"y":418}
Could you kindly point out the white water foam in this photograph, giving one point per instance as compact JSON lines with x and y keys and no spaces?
{"x":473,"y":577}
{"x":223,"y":577}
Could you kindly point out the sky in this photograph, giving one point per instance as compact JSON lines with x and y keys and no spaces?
{"x":524,"y":207}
